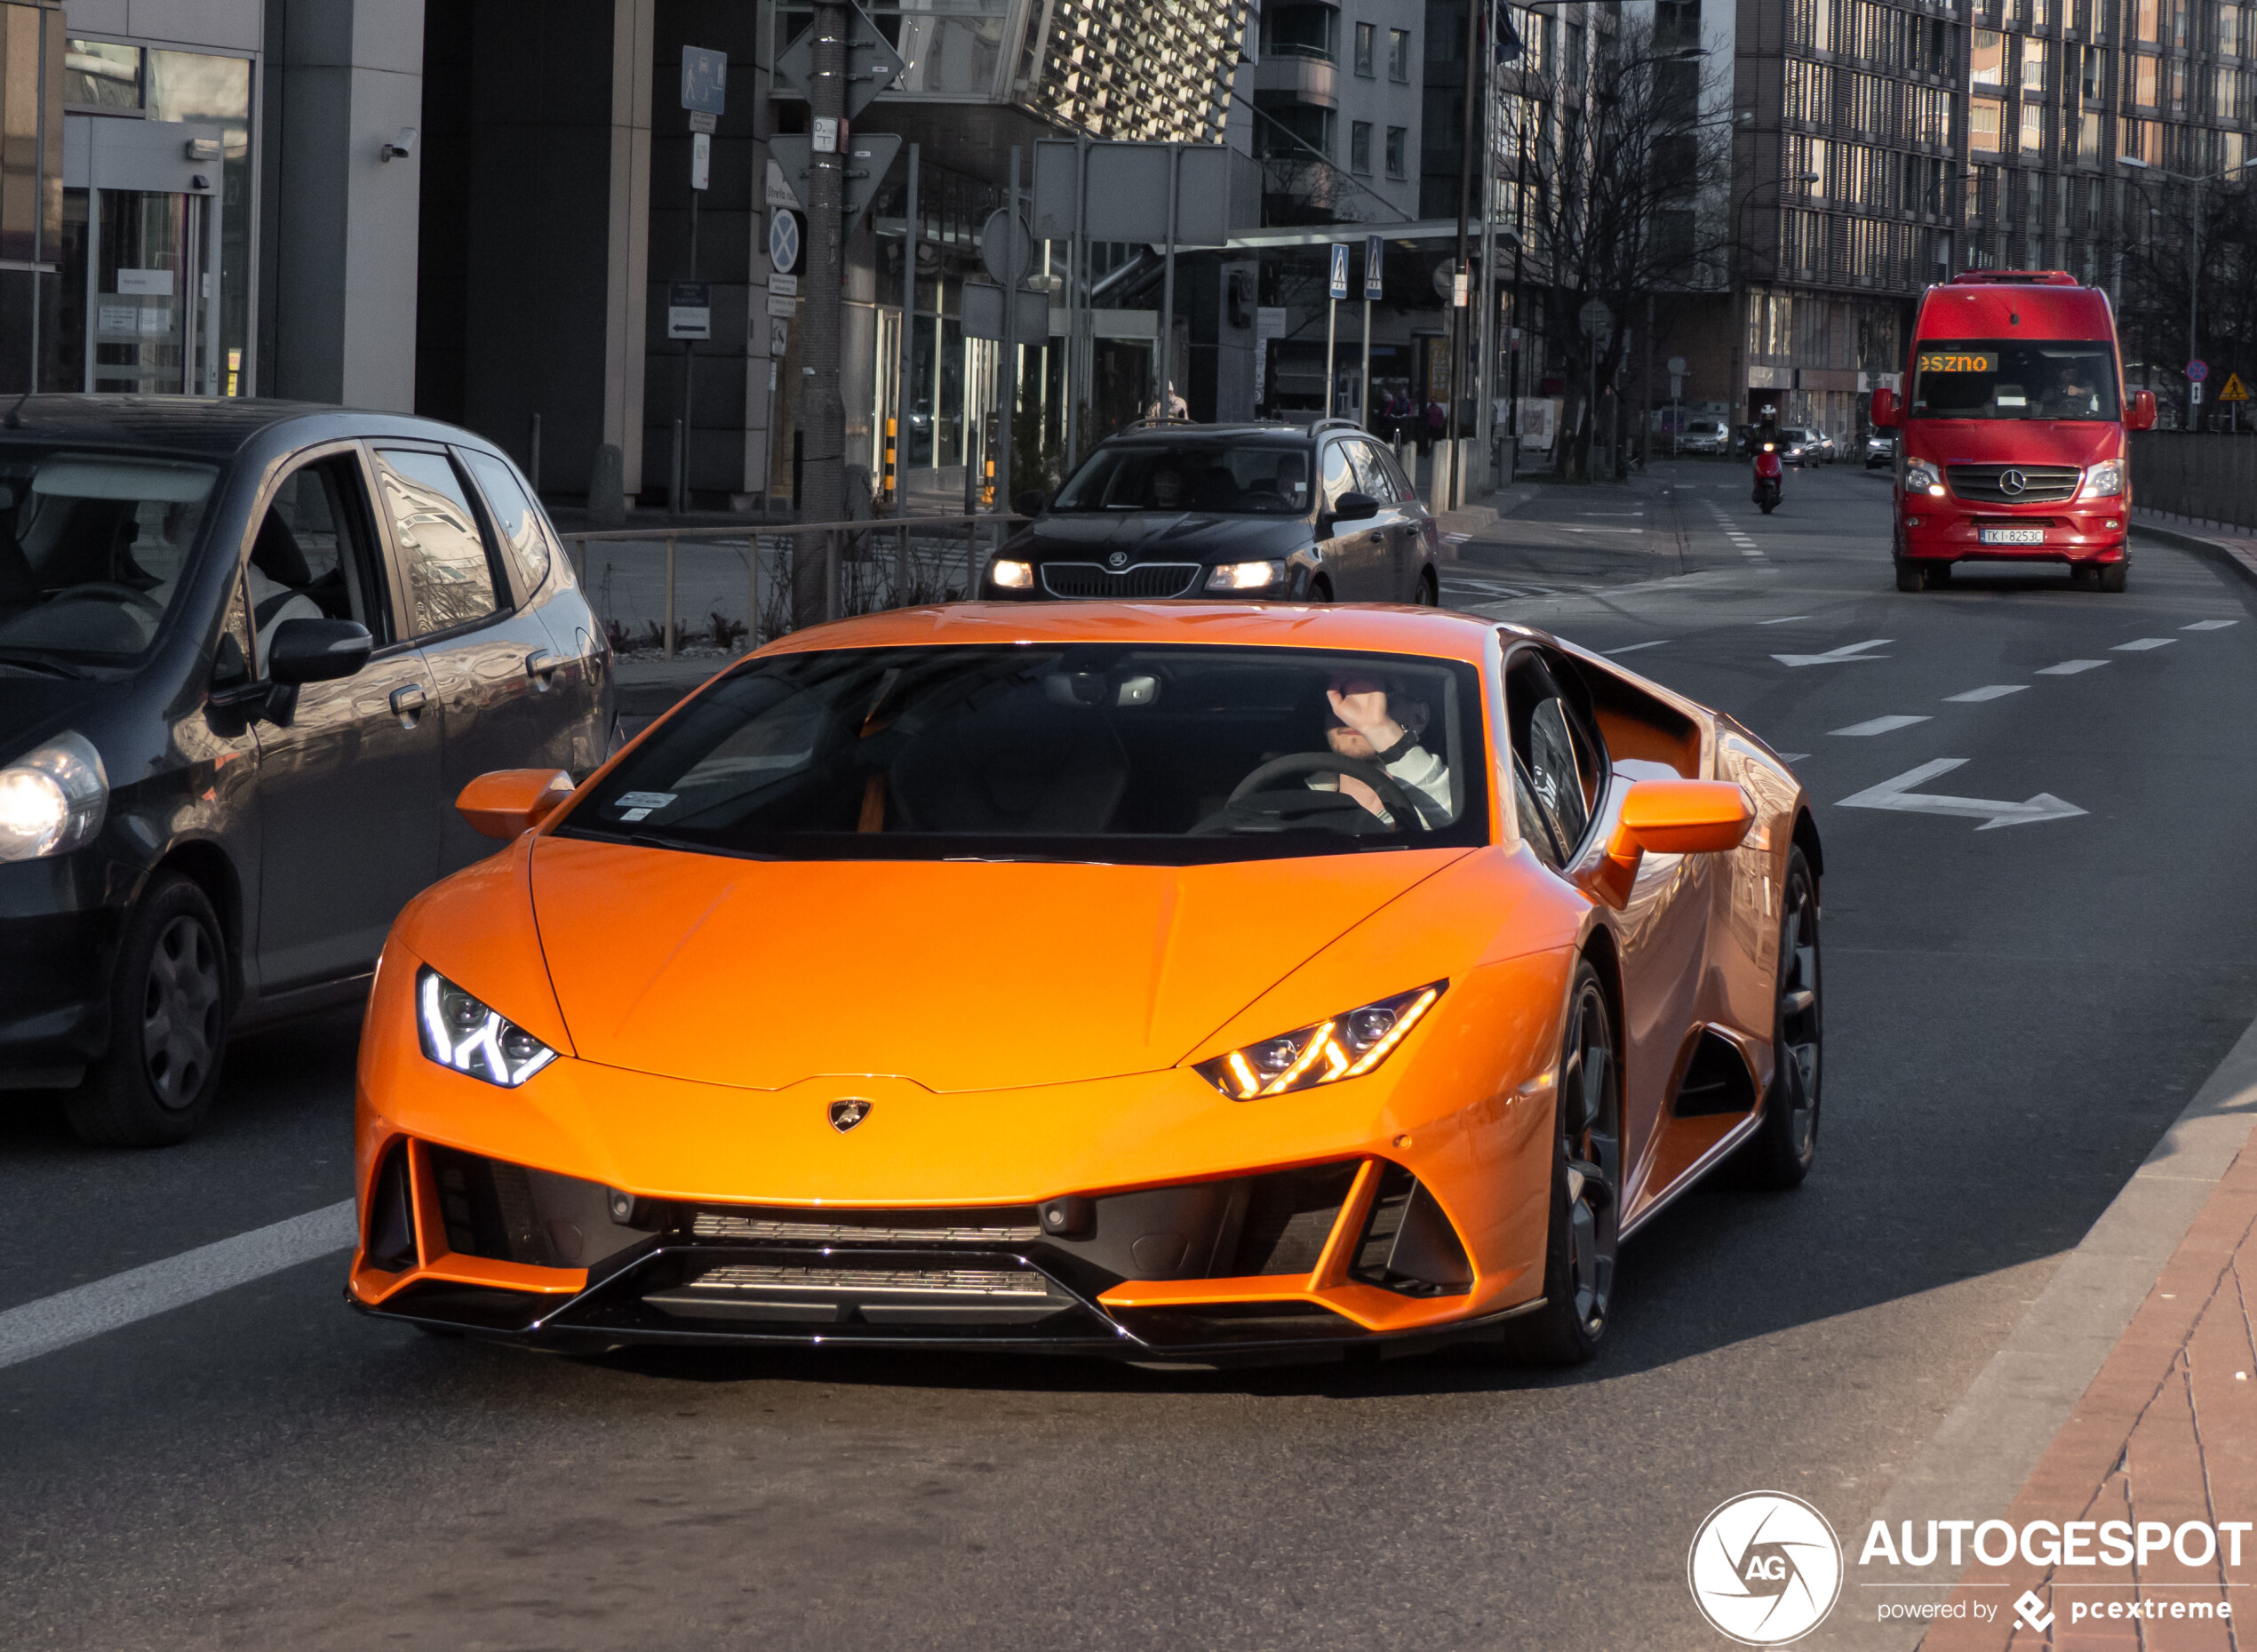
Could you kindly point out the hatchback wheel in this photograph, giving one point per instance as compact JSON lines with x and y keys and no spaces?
{"x":168,"y":1024}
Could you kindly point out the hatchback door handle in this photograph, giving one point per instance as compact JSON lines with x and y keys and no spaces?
{"x":407,"y":702}
{"x":542,"y":664}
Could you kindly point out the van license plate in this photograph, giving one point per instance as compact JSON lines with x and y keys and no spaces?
{"x":2013,"y":536}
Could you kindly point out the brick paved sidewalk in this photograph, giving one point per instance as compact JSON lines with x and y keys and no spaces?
{"x":2166,"y":1433}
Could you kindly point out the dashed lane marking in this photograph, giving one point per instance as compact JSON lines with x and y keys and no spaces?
{"x":108,"y":1304}
{"x":1631,"y":648}
{"x":2210,"y":625}
{"x":1787,"y":619}
{"x":1994,"y":691}
{"x":2070,"y":667}
{"x":1878,"y":725}
{"x":2140,"y":644}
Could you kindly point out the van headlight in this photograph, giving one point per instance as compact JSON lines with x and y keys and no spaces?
{"x":53,"y":800}
{"x":2103,"y":480}
{"x":1922,"y":477}
{"x":465,"y":1034}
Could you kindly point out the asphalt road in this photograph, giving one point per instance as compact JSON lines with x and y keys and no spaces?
{"x":2013,"y":1014}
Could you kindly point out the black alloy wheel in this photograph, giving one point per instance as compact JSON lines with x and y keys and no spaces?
{"x":168,"y":1024}
{"x":1586,"y":1189}
{"x":1785,"y":1144}
{"x":1429,"y":594}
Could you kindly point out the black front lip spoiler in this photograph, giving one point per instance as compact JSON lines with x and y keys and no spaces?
{"x":608,"y":1314}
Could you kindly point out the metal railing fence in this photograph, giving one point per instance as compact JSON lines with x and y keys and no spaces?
{"x":2202,"y":475}
{"x":867,"y":566}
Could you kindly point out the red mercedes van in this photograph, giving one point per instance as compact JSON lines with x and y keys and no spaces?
{"x":2013,"y":416}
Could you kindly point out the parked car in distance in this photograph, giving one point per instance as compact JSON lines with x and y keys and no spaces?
{"x":1168,"y":509}
{"x":1705,"y":435}
{"x":249,"y":651}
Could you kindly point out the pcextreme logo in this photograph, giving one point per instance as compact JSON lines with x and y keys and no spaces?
{"x":1765,"y":1569}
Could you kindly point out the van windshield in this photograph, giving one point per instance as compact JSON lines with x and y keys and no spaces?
{"x":2015,"y":379}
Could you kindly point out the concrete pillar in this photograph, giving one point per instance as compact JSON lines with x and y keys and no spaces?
{"x":345,"y":78}
{"x":628,"y":242}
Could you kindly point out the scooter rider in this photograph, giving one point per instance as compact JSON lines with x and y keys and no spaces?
{"x":1770,"y":473}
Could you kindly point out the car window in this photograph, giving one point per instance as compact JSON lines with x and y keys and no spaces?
{"x":314,"y":545}
{"x":1371,"y":475}
{"x":1404,"y":492}
{"x":1257,"y":475}
{"x":450,"y":575}
{"x":1339,"y":473}
{"x":93,"y":548}
{"x":1553,"y":741}
{"x":524,"y":535}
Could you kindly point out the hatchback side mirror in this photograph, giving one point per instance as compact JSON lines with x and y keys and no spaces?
{"x":509,"y":803}
{"x":1354,"y":507}
{"x":317,"y":650}
{"x":1029,"y":503}
{"x":1885,"y":415}
{"x":2141,"y":414}
{"x":1670,"y":818}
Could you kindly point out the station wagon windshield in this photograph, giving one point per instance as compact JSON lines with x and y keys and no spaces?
{"x":91,"y":549}
{"x":1169,"y":756}
{"x":2015,"y":379}
{"x":1255,"y":476}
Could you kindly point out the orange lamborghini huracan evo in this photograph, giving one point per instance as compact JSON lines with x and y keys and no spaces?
{"x":1174,"y":982}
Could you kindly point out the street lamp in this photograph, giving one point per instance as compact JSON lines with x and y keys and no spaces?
{"x":1739,"y":321}
{"x":2194,"y":253}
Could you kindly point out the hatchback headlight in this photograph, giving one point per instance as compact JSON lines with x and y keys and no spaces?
{"x":53,"y":800}
{"x":1348,"y":1046}
{"x":1922,"y":477}
{"x":463,"y":1033}
{"x":1246,"y":576}
{"x":2103,"y":480}
{"x":1010,"y":575}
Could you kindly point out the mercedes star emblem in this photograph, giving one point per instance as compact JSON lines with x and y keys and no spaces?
{"x":1119,"y":559}
{"x":848,"y":1112}
{"x":2012,"y":482}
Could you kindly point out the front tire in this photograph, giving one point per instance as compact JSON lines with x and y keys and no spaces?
{"x":168,"y":1024}
{"x":1785,"y":1144}
{"x":1584,"y":1230}
{"x":1429,"y":593}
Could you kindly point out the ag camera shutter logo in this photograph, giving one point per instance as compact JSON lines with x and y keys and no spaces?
{"x":1765,"y":1569}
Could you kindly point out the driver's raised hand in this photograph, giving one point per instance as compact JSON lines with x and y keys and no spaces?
{"x":1365,"y":710}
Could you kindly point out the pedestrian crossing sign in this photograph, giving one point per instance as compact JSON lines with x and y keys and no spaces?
{"x":2235,"y":390}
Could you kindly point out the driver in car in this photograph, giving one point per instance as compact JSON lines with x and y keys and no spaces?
{"x":1372,"y":723}
{"x":1166,"y":489}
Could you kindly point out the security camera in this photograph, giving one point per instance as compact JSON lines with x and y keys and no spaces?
{"x":401,"y":146}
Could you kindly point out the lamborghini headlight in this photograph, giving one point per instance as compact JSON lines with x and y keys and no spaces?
{"x":1348,"y":1046}
{"x":2103,"y":480}
{"x":462,"y":1032}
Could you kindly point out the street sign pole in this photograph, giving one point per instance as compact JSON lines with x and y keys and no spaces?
{"x":906,"y":354}
{"x":1375,"y":257}
{"x":704,"y":81}
{"x":1166,"y":378}
{"x":822,"y":411}
{"x":1013,"y":274}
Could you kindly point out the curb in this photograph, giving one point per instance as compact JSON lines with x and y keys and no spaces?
{"x":1978,"y":1460}
{"x":2241,"y":561}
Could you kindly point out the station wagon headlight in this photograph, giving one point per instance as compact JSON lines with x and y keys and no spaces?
{"x":53,"y":800}
{"x":1246,"y":576}
{"x":1010,"y":575}
{"x":1922,"y":477}
{"x":2103,"y":480}
{"x":465,"y":1034}
{"x":1348,"y":1046}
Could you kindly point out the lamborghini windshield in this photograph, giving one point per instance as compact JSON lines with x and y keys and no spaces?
{"x":1258,"y":475}
{"x":1082,"y":752}
{"x":2015,"y":379}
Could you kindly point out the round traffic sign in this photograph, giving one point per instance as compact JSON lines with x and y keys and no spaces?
{"x":995,"y":246}
{"x":1595,"y":318}
{"x":783,"y":241}
{"x":1677,"y":366}
{"x":2198,"y":369}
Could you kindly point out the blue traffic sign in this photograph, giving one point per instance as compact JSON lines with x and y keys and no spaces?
{"x":705,"y":79}
{"x":2198,"y":369}
{"x":783,"y":242}
{"x":1374,"y":265}
{"x":1339,"y":269}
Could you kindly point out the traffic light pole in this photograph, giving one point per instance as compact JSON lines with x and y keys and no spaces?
{"x":822,"y":411}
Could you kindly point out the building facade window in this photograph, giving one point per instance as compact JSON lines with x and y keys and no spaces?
{"x":1359,"y":148}
{"x":1399,"y":54}
{"x":1399,"y":151}
{"x":1366,"y":35}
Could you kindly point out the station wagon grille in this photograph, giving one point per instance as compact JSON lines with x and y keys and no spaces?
{"x":1148,"y":580}
{"x":2041,"y":484}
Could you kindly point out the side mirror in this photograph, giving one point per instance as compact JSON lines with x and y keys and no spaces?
{"x":1355,"y":507}
{"x":509,"y":803}
{"x":1670,"y":818}
{"x":2141,"y":414}
{"x":1029,"y":503}
{"x":1886,"y":416}
{"x":317,"y":650}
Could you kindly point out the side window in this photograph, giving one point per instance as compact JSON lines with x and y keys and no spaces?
{"x":444,"y":557}
{"x":1535,"y":827}
{"x":1339,"y":475}
{"x":1371,"y":475}
{"x":1400,"y":482}
{"x":1554,"y":744}
{"x":315,"y":541}
{"x":524,"y":538}
{"x":231,"y":659}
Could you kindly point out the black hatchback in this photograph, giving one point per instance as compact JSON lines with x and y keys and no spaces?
{"x":249,"y":651}
{"x":1265,"y":511}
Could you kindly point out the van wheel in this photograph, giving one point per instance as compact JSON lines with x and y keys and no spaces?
{"x":1908,"y":576}
{"x":2112,"y":577}
{"x":168,"y":1024}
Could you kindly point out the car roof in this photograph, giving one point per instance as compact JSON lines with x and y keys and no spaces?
{"x":1437,"y":632}
{"x":1250,"y":428}
{"x":205,"y":426}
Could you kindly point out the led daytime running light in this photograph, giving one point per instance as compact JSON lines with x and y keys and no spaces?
{"x":489,"y":1046}
{"x":1328,"y":1052}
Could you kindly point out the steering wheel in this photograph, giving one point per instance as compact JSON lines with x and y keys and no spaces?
{"x":102,"y":588}
{"x":1294,"y":764}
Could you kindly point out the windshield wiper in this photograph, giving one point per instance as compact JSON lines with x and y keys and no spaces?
{"x":43,"y":661}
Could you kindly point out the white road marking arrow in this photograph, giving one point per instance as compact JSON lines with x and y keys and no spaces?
{"x":1898,"y":794}
{"x":1847,"y":654}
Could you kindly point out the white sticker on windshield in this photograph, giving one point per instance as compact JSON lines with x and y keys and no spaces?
{"x":635,"y":814}
{"x":644,"y":801}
